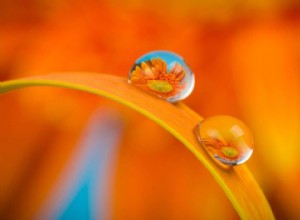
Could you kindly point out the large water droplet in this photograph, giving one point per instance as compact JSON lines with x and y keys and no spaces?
{"x":226,"y":139}
{"x":164,"y":74}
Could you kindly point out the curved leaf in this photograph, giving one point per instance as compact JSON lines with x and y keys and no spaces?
{"x":237,"y":182}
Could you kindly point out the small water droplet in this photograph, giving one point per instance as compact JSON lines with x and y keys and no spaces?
{"x":164,"y":74}
{"x":226,"y":139}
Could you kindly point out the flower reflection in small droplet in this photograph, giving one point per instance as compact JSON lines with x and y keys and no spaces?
{"x":226,"y":139}
{"x":164,"y":74}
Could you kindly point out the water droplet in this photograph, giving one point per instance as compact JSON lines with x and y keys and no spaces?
{"x":164,"y":74}
{"x":226,"y":139}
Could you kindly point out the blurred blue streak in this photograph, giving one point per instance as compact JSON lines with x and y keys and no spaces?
{"x":84,"y":190}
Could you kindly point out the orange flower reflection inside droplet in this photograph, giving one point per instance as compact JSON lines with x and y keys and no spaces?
{"x":226,"y":139}
{"x":152,"y":76}
{"x":227,"y":150}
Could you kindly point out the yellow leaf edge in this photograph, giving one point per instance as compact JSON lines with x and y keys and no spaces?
{"x":238,"y":183}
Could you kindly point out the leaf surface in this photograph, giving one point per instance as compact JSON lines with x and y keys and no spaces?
{"x":237,"y":182}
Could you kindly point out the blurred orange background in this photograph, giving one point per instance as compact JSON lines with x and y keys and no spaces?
{"x":245,"y":56}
